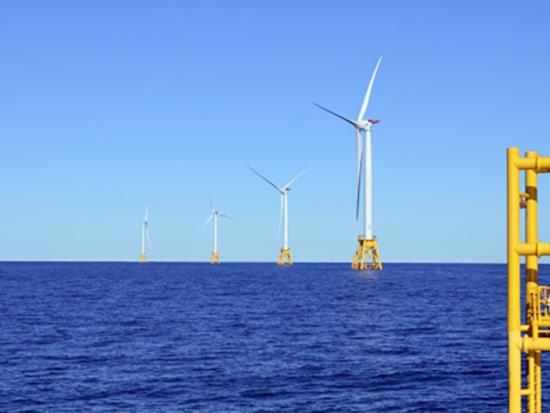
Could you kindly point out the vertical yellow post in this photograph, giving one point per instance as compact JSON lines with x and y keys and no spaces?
{"x":514,"y":312}
{"x":532,"y":290}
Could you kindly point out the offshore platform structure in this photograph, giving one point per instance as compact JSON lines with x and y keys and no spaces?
{"x":526,"y":340}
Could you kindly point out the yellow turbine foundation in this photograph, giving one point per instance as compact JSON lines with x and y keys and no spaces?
{"x":215,"y":258}
{"x":367,"y":256}
{"x":528,"y":339}
{"x":142,"y":258}
{"x":285,"y":257}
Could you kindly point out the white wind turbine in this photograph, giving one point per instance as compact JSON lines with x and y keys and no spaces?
{"x":363,"y":126}
{"x":215,"y":215}
{"x":144,"y":236}
{"x":285,"y":257}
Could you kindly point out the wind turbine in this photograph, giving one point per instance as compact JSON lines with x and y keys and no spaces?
{"x":144,"y":236}
{"x":285,"y":256}
{"x":215,"y":215}
{"x":367,"y":248}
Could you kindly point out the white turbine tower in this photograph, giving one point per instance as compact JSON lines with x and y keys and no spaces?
{"x":215,"y":215}
{"x":285,"y":256}
{"x":368,"y":246}
{"x":144,"y":236}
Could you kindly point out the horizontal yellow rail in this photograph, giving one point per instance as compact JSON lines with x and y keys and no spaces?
{"x":537,"y":344}
{"x":540,"y":164}
{"x":534,"y":248}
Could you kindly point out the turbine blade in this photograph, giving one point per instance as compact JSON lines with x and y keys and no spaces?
{"x":207,"y":221}
{"x":369,"y":90}
{"x":210,"y":202}
{"x":296,"y":177}
{"x":265,"y":179}
{"x":359,"y":171}
{"x":227,"y":216}
{"x":146,"y":214}
{"x":351,"y":122}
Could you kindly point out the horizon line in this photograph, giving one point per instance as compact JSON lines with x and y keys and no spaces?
{"x":245,"y":262}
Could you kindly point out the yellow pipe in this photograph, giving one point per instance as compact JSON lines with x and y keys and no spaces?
{"x":514,"y":313}
{"x":526,"y":249}
{"x":531,"y":381}
{"x":524,"y":163}
{"x":532,"y":289}
{"x":537,"y":249}
{"x":543,"y":164}
{"x":540,"y":164}
{"x":539,"y":344}
{"x":538,"y":387}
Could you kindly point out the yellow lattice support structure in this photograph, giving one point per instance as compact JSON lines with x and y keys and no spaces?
{"x":367,"y":256}
{"x":530,"y":338}
{"x":215,"y":258}
{"x":285,"y":257}
{"x":142,"y":258}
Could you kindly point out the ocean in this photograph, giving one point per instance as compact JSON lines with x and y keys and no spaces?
{"x":171,"y":337}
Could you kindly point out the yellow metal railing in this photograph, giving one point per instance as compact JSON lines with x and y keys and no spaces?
{"x":531,"y":338}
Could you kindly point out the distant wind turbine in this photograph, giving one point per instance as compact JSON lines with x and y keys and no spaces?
{"x":144,"y":236}
{"x":285,"y":256}
{"x":215,"y":215}
{"x":368,"y":246}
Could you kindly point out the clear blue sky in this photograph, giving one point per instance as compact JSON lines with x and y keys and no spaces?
{"x":108,"y":106}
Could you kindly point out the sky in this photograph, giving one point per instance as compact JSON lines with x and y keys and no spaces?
{"x":106,"y":107}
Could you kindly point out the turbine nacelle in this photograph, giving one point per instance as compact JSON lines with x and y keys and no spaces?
{"x":366,"y":125}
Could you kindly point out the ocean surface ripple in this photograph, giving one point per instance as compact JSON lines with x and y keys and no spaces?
{"x":110,"y":337}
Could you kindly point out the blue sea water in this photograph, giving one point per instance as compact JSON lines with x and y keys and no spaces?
{"x":110,"y":337}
